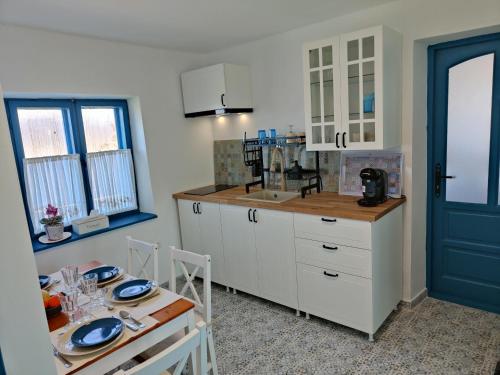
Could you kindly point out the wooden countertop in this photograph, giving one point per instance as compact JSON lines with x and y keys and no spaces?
{"x":325,"y":204}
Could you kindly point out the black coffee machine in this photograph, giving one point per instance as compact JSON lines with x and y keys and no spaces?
{"x":374,"y":186}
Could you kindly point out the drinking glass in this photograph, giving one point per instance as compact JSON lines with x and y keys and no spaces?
{"x":70,"y":276}
{"x":69,"y":304}
{"x":89,"y":287}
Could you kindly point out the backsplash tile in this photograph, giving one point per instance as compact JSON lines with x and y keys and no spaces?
{"x":230,"y":168}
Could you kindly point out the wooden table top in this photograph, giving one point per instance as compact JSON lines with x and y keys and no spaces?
{"x":163,"y":316}
{"x":325,"y":204}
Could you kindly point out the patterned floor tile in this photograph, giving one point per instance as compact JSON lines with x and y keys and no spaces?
{"x":254,"y":336}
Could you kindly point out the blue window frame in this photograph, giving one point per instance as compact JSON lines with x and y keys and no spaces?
{"x":72,"y":113}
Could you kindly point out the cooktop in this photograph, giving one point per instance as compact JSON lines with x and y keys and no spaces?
{"x":205,"y":190}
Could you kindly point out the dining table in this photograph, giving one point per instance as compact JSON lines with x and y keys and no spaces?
{"x":159,"y":322}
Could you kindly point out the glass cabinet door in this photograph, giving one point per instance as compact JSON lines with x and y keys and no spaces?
{"x":359,"y":61}
{"x":322,"y":90}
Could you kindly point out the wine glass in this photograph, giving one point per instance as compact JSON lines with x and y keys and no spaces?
{"x":70,"y":276}
{"x":89,"y":287}
{"x":69,"y":305}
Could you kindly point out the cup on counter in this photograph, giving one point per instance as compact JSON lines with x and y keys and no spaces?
{"x":262,"y":135}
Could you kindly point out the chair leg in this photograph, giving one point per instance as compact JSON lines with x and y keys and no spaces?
{"x":211,"y":351}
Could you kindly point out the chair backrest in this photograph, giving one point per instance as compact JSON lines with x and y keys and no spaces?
{"x":181,"y":258}
{"x":143,"y":253}
{"x":176,"y":354}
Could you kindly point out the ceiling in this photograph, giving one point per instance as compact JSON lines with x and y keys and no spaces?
{"x":189,"y":25}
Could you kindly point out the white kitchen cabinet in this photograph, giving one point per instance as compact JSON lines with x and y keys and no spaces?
{"x":239,"y":248}
{"x":216,"y":89}
{"x":349,"y":271}
{"x":274,"y":241}
{"x":362,"y":111}
{"x":260,"y":253}
{"x":201,"y":233}
{"x":322,"y":94}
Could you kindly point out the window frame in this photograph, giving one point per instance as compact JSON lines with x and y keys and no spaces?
{"x":75,"y":140}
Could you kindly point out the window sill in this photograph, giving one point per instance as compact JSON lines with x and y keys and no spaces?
{"x":114,"y":223}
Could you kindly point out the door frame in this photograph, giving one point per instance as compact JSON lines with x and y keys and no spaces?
{"x":431,"y":133}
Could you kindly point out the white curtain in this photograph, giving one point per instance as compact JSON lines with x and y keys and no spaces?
{"x":55,"y":180}
{"x":112,"y":181}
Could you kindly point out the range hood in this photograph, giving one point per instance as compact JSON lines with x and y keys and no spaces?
{"x":216,"y":90}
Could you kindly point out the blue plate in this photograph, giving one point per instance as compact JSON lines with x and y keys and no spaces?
{"x":104,"y":273}
{"x":43,"y":280}
{"x":97,"y":332}
{"x":132,"y":289}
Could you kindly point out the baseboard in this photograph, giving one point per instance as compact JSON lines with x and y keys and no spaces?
{"x":418,"y":298}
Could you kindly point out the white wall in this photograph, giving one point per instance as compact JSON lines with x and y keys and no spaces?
{"x":36,"y":63}
{"x":277,"y":84}
{"x":21,"y":304}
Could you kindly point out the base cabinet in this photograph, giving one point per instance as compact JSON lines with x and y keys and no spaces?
{"x":201,"y":233}
{"x":336,"y":296}
{"x":260,"y":253}
{"x":357,"y":285}
{"x":239,"y":248}
{"x":276,"y":257}
{"x":346,"y":271}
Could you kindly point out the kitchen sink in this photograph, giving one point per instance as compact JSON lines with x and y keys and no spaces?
{"x":269,"y":196}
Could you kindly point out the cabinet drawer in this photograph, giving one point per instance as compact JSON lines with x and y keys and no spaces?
{"x":330,"y":229}
{"x":344,"y":299}
{"x":339,"y":257}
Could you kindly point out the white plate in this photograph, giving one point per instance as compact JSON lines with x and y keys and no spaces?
{"x":65,"y":347}
{"x":44,"y":239}
{"x":110,"y":298}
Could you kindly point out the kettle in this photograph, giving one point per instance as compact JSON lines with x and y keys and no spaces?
{"x":374,"y":187}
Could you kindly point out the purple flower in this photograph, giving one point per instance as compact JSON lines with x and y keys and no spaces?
{"x":51,"y":211}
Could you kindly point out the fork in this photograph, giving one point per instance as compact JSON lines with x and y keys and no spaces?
{"x":59,"y":356}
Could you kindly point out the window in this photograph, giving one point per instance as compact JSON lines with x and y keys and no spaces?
{"x":75,"y":155}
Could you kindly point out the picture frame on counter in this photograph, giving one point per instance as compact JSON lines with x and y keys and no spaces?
{"x":352,"y":162}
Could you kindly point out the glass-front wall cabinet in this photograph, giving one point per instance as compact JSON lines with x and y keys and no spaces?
{"x":322,"y":90}
{"x":360,"y":77}
{"x":346,"y":89}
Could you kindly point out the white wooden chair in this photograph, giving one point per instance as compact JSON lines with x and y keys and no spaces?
{"x":181,"y":258}
{"x":177,"y":354}
{"x":144,"y":252}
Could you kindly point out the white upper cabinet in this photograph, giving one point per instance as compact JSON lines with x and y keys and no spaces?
{"x":361,"y":108}
{"x":322,"y":93}
{"x":216,"y":89}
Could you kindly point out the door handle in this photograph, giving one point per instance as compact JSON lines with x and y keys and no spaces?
{"x":330,"y":248}
{"x":198,"y":208}
{"x":438,"y":178}
{"x":194,"y":207}
{"x":254,"y":219}
{"x":222,"y":99}
{"x":330,"y":274}
{"x":343,"y":139}
{"x":249,"y":219}
{"x":337,"y":139}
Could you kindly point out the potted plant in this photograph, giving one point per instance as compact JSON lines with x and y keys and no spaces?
{"x":53,"y":224}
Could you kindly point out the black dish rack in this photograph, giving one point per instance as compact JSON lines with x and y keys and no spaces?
{"x":253,"y":158}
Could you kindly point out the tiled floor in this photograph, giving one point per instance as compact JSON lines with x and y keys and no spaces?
{"x":254,"y":336}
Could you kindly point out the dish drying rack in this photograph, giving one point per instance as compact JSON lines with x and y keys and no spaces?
{"x":253,"y":157}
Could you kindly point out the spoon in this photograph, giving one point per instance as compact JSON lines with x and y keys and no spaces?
{"x":126,"y":315}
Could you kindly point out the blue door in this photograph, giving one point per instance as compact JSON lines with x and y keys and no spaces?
{"x":463,"y":231}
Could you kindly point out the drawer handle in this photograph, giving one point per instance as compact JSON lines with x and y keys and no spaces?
{"x":328,"y":220}
{"x":330,"y":248}
{"x":330,"y":274}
